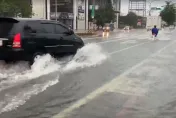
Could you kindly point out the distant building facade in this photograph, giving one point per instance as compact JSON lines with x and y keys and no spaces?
{"x":138,"y":7}
{"x":73,"y":13}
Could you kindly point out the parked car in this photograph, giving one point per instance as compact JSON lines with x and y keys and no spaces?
{"x":25,"y":39}
{"x":127,"y":28}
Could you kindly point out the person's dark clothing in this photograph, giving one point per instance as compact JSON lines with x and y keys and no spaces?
{"x":155,"y":31}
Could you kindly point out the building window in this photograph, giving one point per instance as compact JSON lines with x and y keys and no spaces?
{"x":62,"y":6}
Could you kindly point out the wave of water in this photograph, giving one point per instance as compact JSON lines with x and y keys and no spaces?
{"x":164,"y":34}
{"x":19,"y":74}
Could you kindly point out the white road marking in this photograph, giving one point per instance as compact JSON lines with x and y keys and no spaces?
{"x":112,"y":40}
{"x":84,"y":39}
{"x":111,"y":53}
{"x":128,"y":86}
{"x":66,"y":112}
{"x":109,"y":40}
{"x":128,"y":41}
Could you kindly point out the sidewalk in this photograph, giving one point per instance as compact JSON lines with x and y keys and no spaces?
{"x":85,"y":32}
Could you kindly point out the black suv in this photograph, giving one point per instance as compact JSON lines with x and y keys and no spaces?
{"x":24,"y":39}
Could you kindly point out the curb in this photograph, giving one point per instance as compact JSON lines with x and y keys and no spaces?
{"x":86,"y":34}
{"x":93,"y":33}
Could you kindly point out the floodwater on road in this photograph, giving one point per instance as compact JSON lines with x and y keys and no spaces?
{"x":18,"y":83}
{"x":51,"y":86}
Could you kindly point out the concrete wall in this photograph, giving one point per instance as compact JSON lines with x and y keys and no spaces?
{"x":81,"y":22}
{"x":75,"y":13}
{"x":87,"y":14}
{"x":38,"y":9}
{"x":117,"y":8}
{"x":80,"y":19}
{"x":48,"y":9}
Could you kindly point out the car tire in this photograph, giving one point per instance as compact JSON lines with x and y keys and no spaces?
{"x":35,"y":55}
{"x":7,"y":61}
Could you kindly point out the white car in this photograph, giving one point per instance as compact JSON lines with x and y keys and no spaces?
{"x":126,"y":28}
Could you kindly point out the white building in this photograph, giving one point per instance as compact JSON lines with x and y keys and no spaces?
{"x":71,"y":12}
{"x":117,"y":6}
{"x":40,"y":7}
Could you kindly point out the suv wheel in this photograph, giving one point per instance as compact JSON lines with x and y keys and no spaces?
{"x":35,"y":57}
{"x":7,"y":61}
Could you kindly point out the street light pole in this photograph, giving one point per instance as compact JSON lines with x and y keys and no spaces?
{"x":46,"y":9}
{"x":150,"y":5}
{"x":56,"y":10}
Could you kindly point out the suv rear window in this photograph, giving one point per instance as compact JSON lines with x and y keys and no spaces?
{"x":6,"y":28}
{"x":38,"y":27}
{"x":33,"y":26}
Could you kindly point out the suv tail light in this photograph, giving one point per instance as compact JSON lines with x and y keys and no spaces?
{"x":17,"y":41}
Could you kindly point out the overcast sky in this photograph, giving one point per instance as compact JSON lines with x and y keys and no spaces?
{"x":156,"y":3}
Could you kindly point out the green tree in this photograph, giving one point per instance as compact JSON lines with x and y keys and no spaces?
{"x":168,"y":14}
{"x":8,"y":9}
{"x":131,"y":19}
{"x":105,"y":14}
{"x":25,"y":7}
{"x":14,"y":8}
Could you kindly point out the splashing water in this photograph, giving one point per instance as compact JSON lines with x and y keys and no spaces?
{"x":15,"y":101}
{"x":15,"y":75}
{"x":164,"y":35}
{"x":90,"y":55}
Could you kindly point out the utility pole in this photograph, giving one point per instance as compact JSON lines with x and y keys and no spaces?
{"x":150,"y":5}
{"x":150,"y":9}
{"x":56,"y":10}
{"x":46,"y":9}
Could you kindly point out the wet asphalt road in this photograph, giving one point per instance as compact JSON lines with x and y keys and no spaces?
{"x":136,"y":81}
